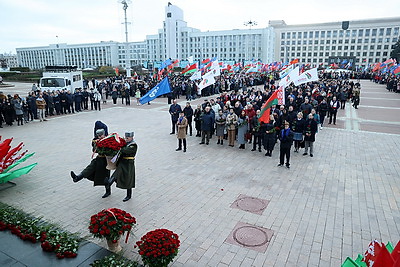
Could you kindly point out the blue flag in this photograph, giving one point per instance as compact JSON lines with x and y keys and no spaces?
{"x":166,"y":63}
{"x":160,"y":89}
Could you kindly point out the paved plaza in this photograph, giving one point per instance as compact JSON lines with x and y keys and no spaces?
{"x":317,"y":213}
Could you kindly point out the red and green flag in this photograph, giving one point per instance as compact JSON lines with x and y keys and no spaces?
{"x":265,"y":109}
{"x":396,"y":71}
{"x":190,"y":69}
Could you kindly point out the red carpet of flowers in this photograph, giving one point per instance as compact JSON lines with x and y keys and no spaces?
{"x":158,"y":247}
{"x":64,"y":244}
{"x":111,"y":224}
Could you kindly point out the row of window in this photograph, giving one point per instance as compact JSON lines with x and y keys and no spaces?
{"x":327,"y":54}
{"x":341,"y":33}
{"x":333,"y":47}
{"x":324,"y":60}
{"x":340,"y":41}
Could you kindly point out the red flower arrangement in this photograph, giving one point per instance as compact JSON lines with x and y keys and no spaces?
{"x":111,"y":224}
{"x":110,"y":145}
{"x":64,"y":244}
{"x":158,"y":247}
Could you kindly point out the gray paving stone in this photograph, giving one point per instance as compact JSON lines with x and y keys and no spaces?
{"x":331,"y":205}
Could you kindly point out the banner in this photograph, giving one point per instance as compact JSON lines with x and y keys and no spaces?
{"x":208,"y":79}
{"x":160,"y":89}
{"x":196,"y":76}
{"x":292,"y":76}
{"x":307,"y":76}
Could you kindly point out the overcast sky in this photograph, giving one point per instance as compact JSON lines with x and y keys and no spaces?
{"x":28,"y":23}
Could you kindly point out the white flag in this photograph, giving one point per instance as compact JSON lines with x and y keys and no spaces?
{"x":215,"y":68}
{"x":190,"y":59}
{"x":307,"y":76}
{"x":285,"y":72}
{"x":196,"y":76}
{"x":291,"y":77}
{"x":208,"y":79}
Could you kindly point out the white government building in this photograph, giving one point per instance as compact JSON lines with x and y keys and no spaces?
{"x":364,"y":42}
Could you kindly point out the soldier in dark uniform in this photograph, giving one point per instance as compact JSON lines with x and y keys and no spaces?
{"x":124,"y":175}
{"x":96,"y":171}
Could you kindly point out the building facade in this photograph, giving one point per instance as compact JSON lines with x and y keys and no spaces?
{"x":364,"y":41}
{"x":8,"y":61}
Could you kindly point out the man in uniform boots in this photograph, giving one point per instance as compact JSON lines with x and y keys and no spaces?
{"x":124,"y":175}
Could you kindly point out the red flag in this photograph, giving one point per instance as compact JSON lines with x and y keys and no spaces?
{"x":205,"y":61}
{"x":265,"y":109}
{"x":377,"y":66}
{"x":116,"y":71}
{"x":373,"y":250}
{"x":397,"y":70}
{"x":396,"y":252}
{"x":294,"y":61}
{"x":383,"y":259}
{"x":190,"y":68}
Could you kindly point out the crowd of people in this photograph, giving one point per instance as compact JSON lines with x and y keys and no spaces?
{"x":233,"y":115}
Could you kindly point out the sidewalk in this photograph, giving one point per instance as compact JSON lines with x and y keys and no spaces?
{"x":317,"y":213}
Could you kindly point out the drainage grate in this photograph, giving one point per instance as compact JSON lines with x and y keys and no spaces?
{"x":250,"y":204}
{"x":250,"y":236}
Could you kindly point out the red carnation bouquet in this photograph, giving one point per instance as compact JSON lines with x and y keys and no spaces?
{"x":158,"y":247}
{"x":111,"y":224}
{"x":110,"y":145}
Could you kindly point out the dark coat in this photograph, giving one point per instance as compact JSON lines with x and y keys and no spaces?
{"x":298,"y":125}
{"x":270,"y":135}
{"x":96,"y":171}
{"x":311,"y":128}
{"x":174,"y":110}
{"x":207,"y":121}
{"x":125,"y":172}
{"x":286,"y":138}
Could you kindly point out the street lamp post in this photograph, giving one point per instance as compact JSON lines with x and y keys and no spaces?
{"x":127,"y":57}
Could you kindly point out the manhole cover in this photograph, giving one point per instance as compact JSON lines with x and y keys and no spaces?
{"x":250,"y":204}
{"x":250,"y":236}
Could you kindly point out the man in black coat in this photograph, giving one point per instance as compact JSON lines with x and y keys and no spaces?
{"x":310,"y":130}
{"x":286,"y":138}
{"x":85,"y":95}
{"x":207,"y":124}
{"x":174,"y":111}
{"x":188,"y":112}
